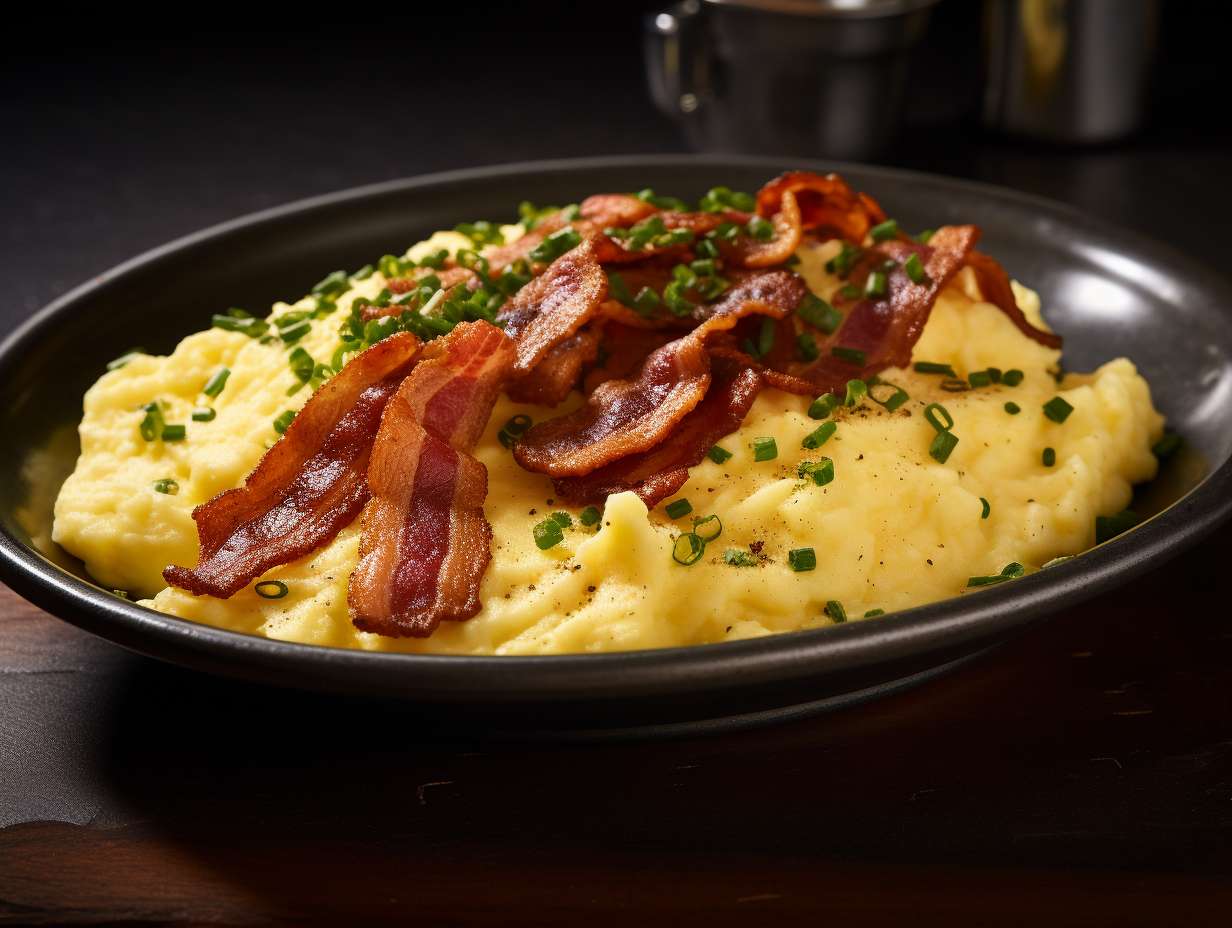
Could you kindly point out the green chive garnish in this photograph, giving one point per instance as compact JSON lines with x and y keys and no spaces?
{"x":708,"y":528}
{"x":987,"y":508}
{"x":915,"y":270}
{"x":688,"y":549}
{"x":806,"y":347}
{"x":876,"y":285}
{"x":1012,"y":377}
{"x":518,"y":424}
{"x":821,"y":407}
{"x":802,"y":559}
{"x":294,"y":331}
{"x":938,"y":417}
{"x":842,"y":263}
{"x":174,"y":433}
{"x":979,"y":378}
{"x":894,"y":400}
{"x":1167,"y":445}
{"x":590,"y":516}
{"x":856,"y":391}
{"x":836,"y":612}
{"x":677,"y":508}
{"x":563,"y":519}
{"x":548,"y":533}
{"x":1013,"y":408}
{"x":820,"y":435}
{"x":125,"y":358}
{"x":214,"y":385}
{"x":765,"y":449}
{"x":1057,"y":409}
{"x":272,"y":589}
{"x":1011,"y":571}
{"x":924,"y":237}
{"x":818,"y":313}
{"x":166,"y":485}
{"x":932,"y":367}
{"x":203,"y":414}
{"x":737,"y":558}
{"x":884,"y":231}
{"x":718,"y":454}
{"x":283,"y":422}
{"x":850,"y":355}
{"x":820,"y":472}
{"x":873,"y":613}
{"x":849,"y":292}
{"x":152,"y":423}
{"x":1049,"y":457}
{"x":760,"y":229}
{"x":1107,"y":527}
{"x":765,"y":337}
{"x":942,"y":446}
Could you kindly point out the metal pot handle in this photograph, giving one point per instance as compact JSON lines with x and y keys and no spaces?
{"x":675,"y":58}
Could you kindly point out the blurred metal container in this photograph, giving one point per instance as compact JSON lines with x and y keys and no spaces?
{"x":1069,"y":70}
{"x":802,"y":77}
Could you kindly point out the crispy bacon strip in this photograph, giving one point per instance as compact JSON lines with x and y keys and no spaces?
{"x":995,"y":286}
{"x":747,"y":251}
{"x":824,"y":202}
{"x":656,"y":474}
{"x":425,"y":543}
{"x":307,"y":487}
{"x":558,"y":373}
{"x":624,"y":348}
{"x":624,"y":417}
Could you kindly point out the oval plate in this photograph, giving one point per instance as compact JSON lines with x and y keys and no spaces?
{"x":1108,"y":292}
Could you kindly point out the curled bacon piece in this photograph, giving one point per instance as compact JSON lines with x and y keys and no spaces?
{"x":995,"y":286}
{"x":557,"y":374}
{"x":747,"y":251}
{"x":825,"y":203}
{"x":623,"y":417}
{"x":307,"y":487}
{"x":604,"y":210}
{"x":656,"y":474}
{"x":425,"y":543}
{"x":551,"y":308}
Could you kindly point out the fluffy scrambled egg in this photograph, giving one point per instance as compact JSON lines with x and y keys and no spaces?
{"x":893,"y":529}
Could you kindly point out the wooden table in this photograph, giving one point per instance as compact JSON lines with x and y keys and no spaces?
{"x":1082,"y":771}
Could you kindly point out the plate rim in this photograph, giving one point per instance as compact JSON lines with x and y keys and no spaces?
{"x":962,"y":620}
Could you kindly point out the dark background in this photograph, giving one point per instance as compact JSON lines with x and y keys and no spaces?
{"x":1082,"y":774}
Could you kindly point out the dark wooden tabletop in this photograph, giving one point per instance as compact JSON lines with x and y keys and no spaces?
{"x":1079,"y":774}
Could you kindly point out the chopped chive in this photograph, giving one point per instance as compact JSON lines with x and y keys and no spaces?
{"x":821,"y":407}
{"x":820,"y":314}
{"x":618,"y":288}
{"x":802,"y":559}
{"x":924,"y":237}
{"x":850,"y":355}
{"x":873,"y":613}
{"x":688,"y":549}
{"x":820,"y":472}
{"x":856,"y":391}
{"x":1057,"y":409}
{"x":1011,"y":571}
{"x":954,"y":385}
{"x":842,"y":263}
{"x":979,"y":378}
{"x":125,"y":358}
{"x":364,"y":272}
{"x":294,"y":331}
{"x":765,"y":337}
{"x":555,"y":245}
{"x":707,"y":248}
{"x":884,"y":231}
{"x":203,"y":414}
{"x":166,"y":485}
{"x":994,"y":374}
{"x":737,"y":558}
{"x":1049,"y":457}
{"x":283,"y":422}
{"x":876,"y":285}
{"x":1013,"y":408}
{"x":174,"y":433}
{"x":718,"y":454}
{"x":836,"y":612}
{"x":518,"y":424}
{"x":894,"y":400}
{"x":152,"y":423}
{"x":301,"y":364}
{"x":820,"y":435}
{"x":806,"y":347}
{"x":708,"y":528}
{"x":915,"y":270}
{"x":590,"y":516}
{"x":333,"y":284}
{"x":563,"y":519}
{"x":938,"y":417}
{"x":272,"y":589}
{"x":933,"y":367}
{"x":703,"y":267}
{"x":548,"y":533}
{"x":1012,"y":377}
{"x":942,"y":445}
{"x":986,"y":508}
{"x":765,"y":449}
{"x":760,"y":229}
{"x":1167,"y":446}
{"x":646,"y":301}
{"x":677,"y":508}
{"x":849,"y":292}
{"x":1108,"y":527}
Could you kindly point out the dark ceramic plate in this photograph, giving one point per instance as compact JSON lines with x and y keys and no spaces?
{"x":1110,"y":293}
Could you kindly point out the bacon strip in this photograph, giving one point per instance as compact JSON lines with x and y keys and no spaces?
{"x":656,"y":474}
{"x":824,"y":202}
{"x":558,"y":373}
{"x":995,"y":286}
{"x":307,"y":487}
{"x":623,"y":417}
{"x":425,"y":543}
{"x":554,"y":305}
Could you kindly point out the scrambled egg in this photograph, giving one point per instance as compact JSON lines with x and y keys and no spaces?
{"x":893,"y":529}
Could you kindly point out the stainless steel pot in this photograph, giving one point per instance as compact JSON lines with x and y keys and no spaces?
{"x":803,"y":77}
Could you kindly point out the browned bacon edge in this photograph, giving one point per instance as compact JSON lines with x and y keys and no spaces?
{"x":308,"y":486}
{"x":623,"y":417}
{"x":425,"y":543}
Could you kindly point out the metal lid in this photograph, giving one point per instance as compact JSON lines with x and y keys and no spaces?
{"x":854,"y":9}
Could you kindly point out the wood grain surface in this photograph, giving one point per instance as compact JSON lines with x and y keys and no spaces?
{"x":1081,"y":772}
